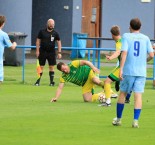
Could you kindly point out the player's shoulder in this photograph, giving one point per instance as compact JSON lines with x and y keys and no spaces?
{"x":126,"y":35}
{"x":144,"y":36}
{"x":3,"y":33}
{"x":75,"y":63}
{"x":119,"y":40}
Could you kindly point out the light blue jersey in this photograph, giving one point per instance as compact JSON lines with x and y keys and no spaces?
{"x":4,"y":42}
{"x":137,"y":46}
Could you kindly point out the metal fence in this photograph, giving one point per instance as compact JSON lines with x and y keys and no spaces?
{"x":94,"y":58}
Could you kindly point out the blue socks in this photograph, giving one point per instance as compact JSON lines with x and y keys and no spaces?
{"x":136,"y":114}
{"x":120,"y":108}
{"x":128,"y":96}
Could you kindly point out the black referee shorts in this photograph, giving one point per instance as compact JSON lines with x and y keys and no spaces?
{"x":50,"y":57}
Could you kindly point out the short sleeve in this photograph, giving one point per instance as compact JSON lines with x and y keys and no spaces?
{"x":124,"y":44}
{"x":149,"y":45}
{"x":7,"y":41}
{"x":57,"y":36}
{"x":62,"y":80}
{"x":39,"y":35}
{"x":75,"y":63}
{"x":118,"y":45}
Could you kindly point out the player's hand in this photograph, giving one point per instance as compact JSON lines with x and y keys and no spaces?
{"x":14,"y":45}
{"x":59,"y":56}
{"x":53,"y":100}
{"x":120,"y":74}
{"x":37,"y":53}
{"x":96,"y":70}
{"x":108,"y":57}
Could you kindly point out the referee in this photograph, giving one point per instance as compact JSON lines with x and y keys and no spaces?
{"x":45,"y":50}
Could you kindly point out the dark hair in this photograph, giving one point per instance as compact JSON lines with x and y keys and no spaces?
{"x":135,"y":23}
{"x":115,"y":30}
{"x":59,"y":65}
{"x":2,"y":20}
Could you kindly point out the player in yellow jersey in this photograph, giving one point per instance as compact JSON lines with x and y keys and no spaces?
{"x":82,"y":73}
{"x":114,"y":75}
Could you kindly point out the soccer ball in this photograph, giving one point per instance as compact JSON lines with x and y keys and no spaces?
{"x":101,"y":98}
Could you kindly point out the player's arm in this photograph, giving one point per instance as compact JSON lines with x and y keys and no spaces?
{"x":58,"y":92}
{"x":88,"y":63}
{"x":38,"y":41}
{"x":59,"y":48}
{"x":151,"y":54}
{"x":149,"y":58}
{"x":8,"y":43}
{"x":123,"y":59}
{"x":114,"y":55}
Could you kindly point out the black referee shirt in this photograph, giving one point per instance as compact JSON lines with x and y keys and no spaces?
{"x":48,"y":40}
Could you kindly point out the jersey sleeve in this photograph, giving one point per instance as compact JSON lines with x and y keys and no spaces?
{"x":75,"y":63}
{"x":7,"y":41}
{"x":124,"y":43}
{"x":118,"y":45}
{"x":39,"y":35}
{"x":57,"y":36}
{"x":149,"y":45}
{"x":62,"y":80}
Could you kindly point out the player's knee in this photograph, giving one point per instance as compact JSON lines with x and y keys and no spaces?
{"x":86,"y":99}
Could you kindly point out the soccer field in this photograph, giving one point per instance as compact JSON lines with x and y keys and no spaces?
{"x":28,"y":118}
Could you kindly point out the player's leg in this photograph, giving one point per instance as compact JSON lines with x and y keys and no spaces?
{"x":117,"y":83}
{"x":137,"y":109}
{"x":94,"y":79}
{"x":127,"y":99}
{"x":88,"y":95}
{"x":97,"y":81}
{"x":138,"y":88}
{"x":107,"y":90}
{"x":87,"y":89}
{"x":114,"y":77}
{"x":107,"y":85}
{"x":119,"y":109}
{"x":125,"y":86}
{"x":51,"y":61}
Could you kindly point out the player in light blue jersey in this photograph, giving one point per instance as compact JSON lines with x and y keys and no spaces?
{"x":127,"y":99}
{"x":4,"y":42}
{"x":135,"y":47}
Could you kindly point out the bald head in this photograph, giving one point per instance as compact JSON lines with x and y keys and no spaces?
{"x":50,"y":24}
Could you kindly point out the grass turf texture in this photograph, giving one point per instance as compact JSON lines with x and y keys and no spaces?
{"x":28,"y":118}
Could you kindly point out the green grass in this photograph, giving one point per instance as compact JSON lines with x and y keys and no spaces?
{"x":28,"y":118}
